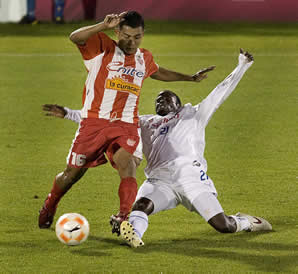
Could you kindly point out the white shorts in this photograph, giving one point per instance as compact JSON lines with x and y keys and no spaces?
{"x":166,"y":196}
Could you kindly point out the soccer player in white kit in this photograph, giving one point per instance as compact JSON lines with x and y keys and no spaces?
{"x":173,"y":144}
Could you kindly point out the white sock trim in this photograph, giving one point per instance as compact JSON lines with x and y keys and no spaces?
{"x":242,"y":223}
{"x":237,"y":223}
{"x":139,"y":220}
{"x":139,"y":214}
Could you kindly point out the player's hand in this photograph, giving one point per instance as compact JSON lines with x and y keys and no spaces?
{"x":202,"y":74}
{"x":54,"y":110}
{"x":249,"y":56}
{"x":113,"y":20}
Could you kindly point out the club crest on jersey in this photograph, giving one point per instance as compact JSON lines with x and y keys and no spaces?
{"x":140,"y":60}
{"x":130,"y":142}
{"x":119,"y":67}
{"x":119,"y":84}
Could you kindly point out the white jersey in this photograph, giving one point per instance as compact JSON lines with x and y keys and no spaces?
{"x":174,"y":142}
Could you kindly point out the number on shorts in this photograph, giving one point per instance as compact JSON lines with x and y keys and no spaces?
{"x":78,"y":159}
{"x":204,"y":176}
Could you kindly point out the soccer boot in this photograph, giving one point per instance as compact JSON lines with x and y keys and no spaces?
{"x":256,"y":223}
{"x":129,"y":235}
{"x":46,"y":214}
{"x":116,"y":220}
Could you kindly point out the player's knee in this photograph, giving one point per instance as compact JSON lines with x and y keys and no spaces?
{"x":127,"y":167}
{"x":131,"y":163}
{"x":137,"y":161}
{"x":145,"y":205}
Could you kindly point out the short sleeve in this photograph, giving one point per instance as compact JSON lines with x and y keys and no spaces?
{"x":151,"y":66}
{"x":95,"y":45}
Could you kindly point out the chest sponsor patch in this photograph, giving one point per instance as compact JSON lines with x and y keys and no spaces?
{"x":118,"y":83}
{"x":119,"y":67}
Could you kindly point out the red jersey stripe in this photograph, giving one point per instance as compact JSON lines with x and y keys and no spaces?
{"x":114,"y":81}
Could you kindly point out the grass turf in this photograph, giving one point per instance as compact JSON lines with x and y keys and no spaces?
{"x":251,"y":151}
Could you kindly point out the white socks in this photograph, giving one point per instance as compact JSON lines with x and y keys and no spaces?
{"x":139,"y":220}
{"x":242,"y":223}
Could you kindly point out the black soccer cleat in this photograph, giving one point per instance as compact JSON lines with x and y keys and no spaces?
{"x":116,"y":220}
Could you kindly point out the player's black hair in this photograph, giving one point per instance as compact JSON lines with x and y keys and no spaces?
{"x":174,"y":94}
{"x":178,"y":99}
{"x":132,"y":19}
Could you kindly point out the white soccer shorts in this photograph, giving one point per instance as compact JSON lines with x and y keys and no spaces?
{"x":166,"y":196}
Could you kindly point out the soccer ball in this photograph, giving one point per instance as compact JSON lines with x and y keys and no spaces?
{"x":72,"y":229}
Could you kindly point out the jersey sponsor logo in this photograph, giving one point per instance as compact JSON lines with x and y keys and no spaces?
{"x":119,"y":84}
{"x":165,"y":120}
{"x":119,"y":67}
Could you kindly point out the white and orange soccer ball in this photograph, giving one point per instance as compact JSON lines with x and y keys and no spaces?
{"x":72,"y":229}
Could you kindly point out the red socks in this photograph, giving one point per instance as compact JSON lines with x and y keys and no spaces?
{"x":55,"y":196}
{"x":127,"y":192}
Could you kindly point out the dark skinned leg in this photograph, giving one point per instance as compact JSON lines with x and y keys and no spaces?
{"x":145,"y":205}
{"x":69,"y":176}
{"x":223,"y":223}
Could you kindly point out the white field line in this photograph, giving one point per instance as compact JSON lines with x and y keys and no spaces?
{"x":173,"y":54}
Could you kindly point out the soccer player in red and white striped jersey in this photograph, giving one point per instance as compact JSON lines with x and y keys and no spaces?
{"x":109,"y":125}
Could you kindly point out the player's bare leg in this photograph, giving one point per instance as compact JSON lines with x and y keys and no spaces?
{"x":126,"y":165}
{"x":223,"y":223}
{"x":62,"y":183}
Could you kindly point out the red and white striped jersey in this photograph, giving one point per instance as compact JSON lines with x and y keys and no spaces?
{"x":114,"y":81}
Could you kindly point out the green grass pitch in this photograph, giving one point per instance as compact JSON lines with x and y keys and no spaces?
{"x":251,"y":151}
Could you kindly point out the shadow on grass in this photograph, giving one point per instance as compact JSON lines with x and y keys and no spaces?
{"x":94,"y":246}
{"x":98,"y":244}
{"x":232,"y":247}
{"x":241,"y":248}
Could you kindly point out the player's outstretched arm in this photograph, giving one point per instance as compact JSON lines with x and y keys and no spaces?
{"x":222,"y":91}
{"x":80,"y":36}
{"x":167,"y":75}
{"x":62,"y":112}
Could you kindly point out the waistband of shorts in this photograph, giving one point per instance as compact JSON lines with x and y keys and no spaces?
{"x":108,"y":122}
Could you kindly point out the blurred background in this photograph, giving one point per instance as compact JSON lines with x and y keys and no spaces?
{"x":212,"y":10}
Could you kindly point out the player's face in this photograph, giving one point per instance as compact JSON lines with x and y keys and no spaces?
{"x":166,"y":102}
{"x":129,"y":39}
